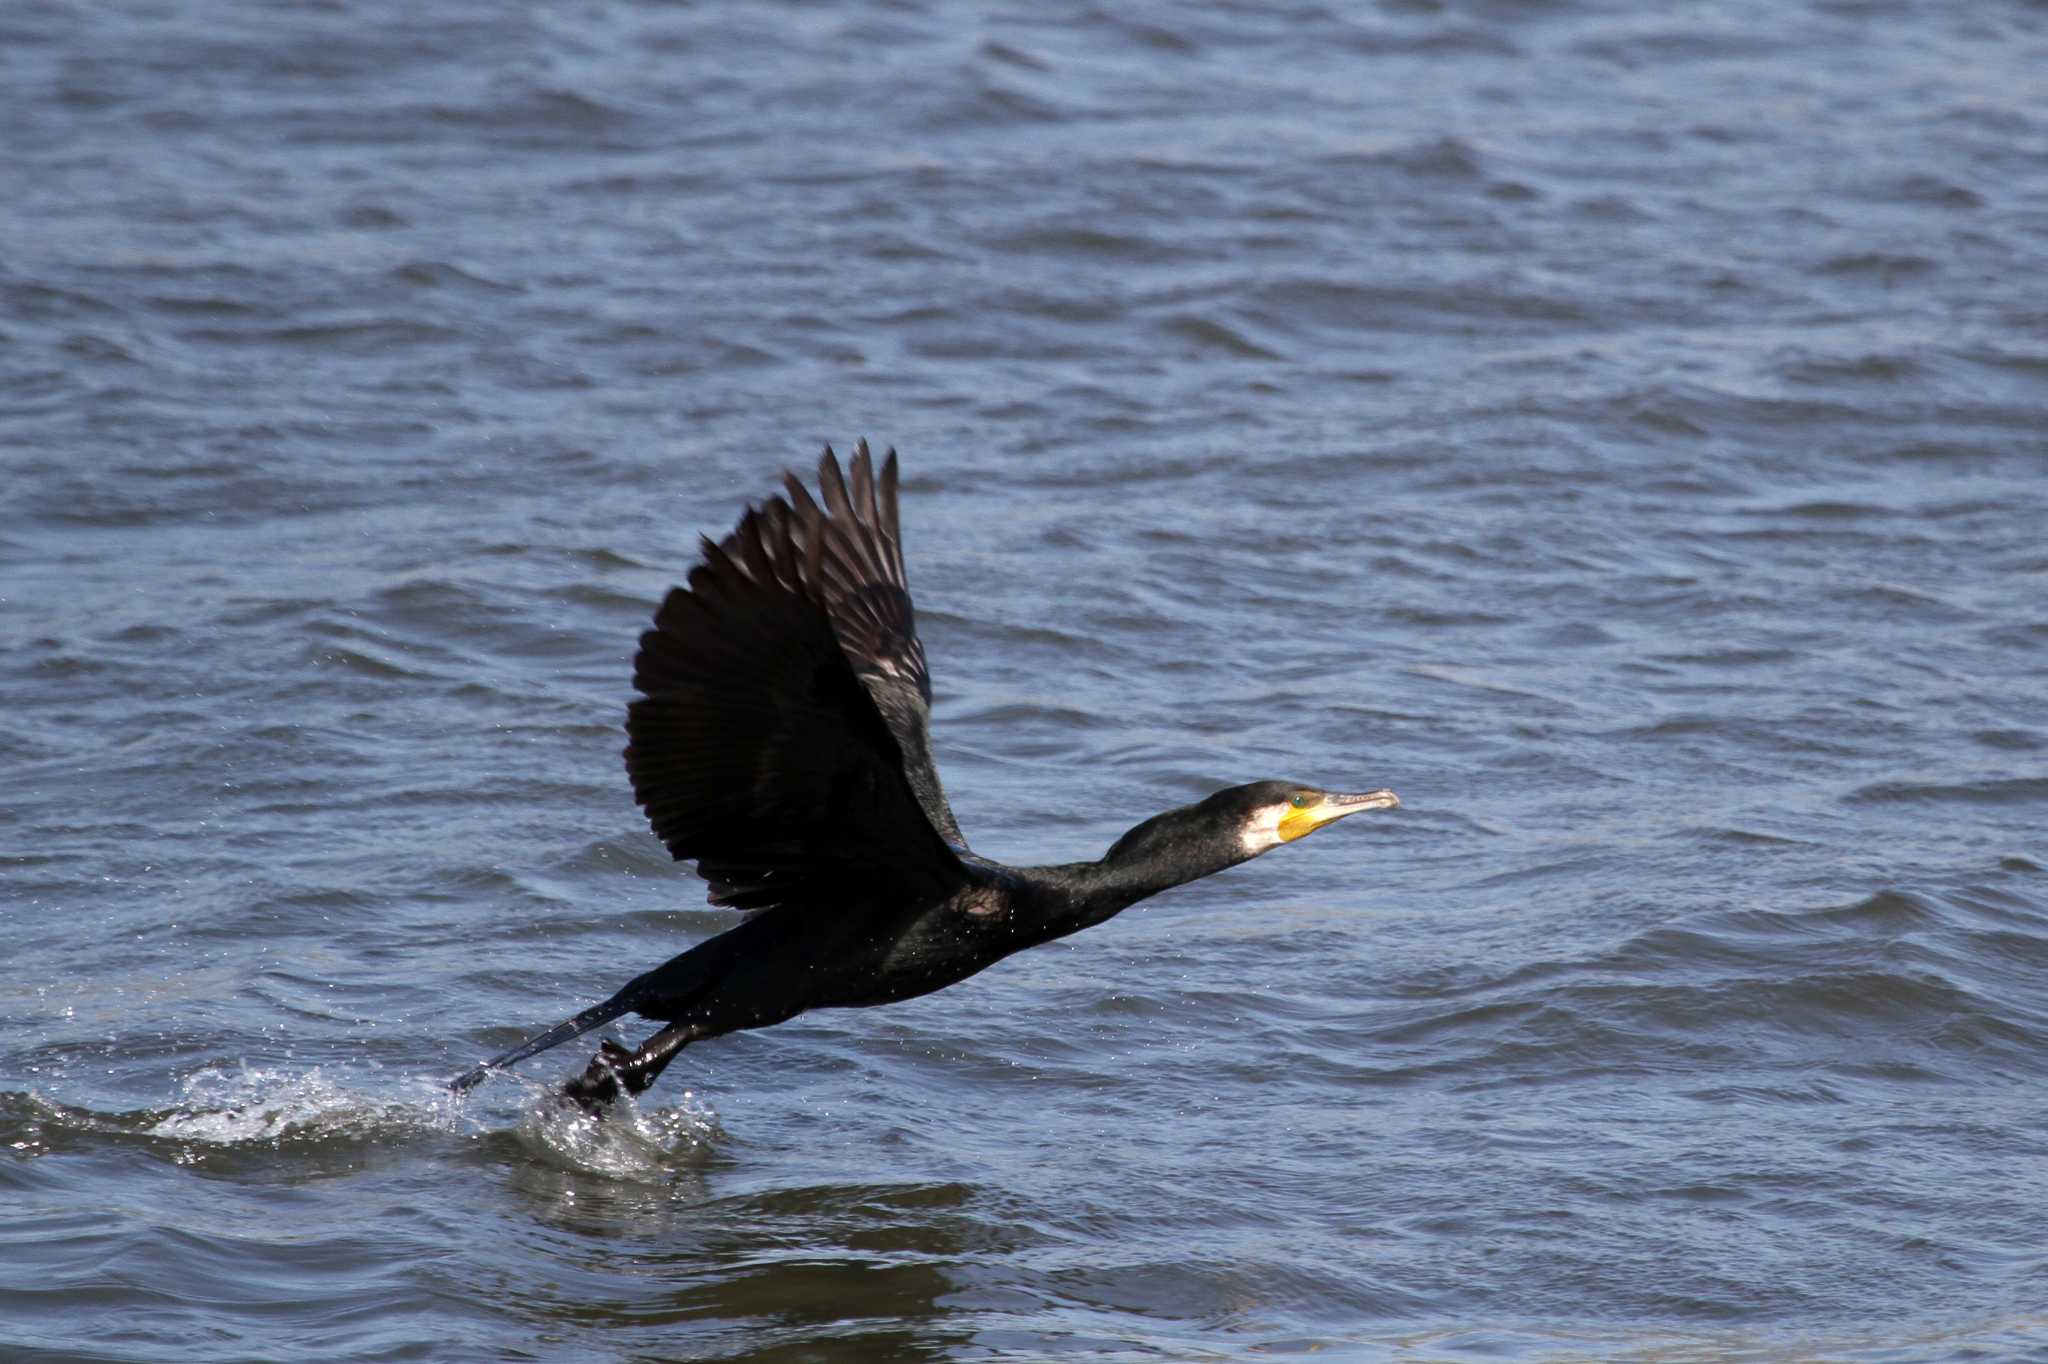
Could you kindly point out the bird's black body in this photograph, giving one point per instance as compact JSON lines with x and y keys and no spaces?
{"x":782,"y":742}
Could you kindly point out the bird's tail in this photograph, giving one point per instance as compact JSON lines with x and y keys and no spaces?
{"x":596,"y":1016}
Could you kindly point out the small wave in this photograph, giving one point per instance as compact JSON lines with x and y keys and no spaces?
{"x":1933,"y":191}
{"x":994,"y":105}
{"x":437,"y":274}
{"x":1207,"y":334}
{"x":1878,"y":265}
{"x":1443,"y":156}
{"x":1727,"y":657}
{"x":1612,"y":208}
{"x":1748,"y":838}
{"x":1390,"y":40}
{"x":357,"y":661}
{"x":370,"y":336}
{"x":1307,"y":306}
{"x":1800,"y":367}
{"x":1007,"y":55}
{"x":1889,"y":912}
{"x":1822,"y":510}
{"x":2010,"y":791}
{"x":1675,"y":46}
{"x":1080,"y":241}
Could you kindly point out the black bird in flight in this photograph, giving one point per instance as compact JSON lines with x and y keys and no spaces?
{"x":781,"y":742}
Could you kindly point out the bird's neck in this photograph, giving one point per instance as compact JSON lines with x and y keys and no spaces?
{"x":1158,"y":855}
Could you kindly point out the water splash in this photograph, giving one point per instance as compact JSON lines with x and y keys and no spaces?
{"x":228,"y":1113}
{"x":253,"y":1106}
{"x":630,"y":1143}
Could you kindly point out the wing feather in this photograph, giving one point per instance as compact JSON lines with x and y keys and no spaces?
{"x":848,"y":544}
{"x":756,"y":749}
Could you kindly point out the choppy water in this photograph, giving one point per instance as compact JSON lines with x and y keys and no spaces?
{"x":1621,"y":431}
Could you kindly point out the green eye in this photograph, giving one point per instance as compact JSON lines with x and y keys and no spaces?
{"x":1300,"y":802}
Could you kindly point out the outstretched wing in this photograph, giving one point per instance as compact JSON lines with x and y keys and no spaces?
{"x":756,"y":750}
{"x":861,"y":580}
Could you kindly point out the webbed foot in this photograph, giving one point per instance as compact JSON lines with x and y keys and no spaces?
{"x":598,"y":1086}
{"x":614,"y":1068}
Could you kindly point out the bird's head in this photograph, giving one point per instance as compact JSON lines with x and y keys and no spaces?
{"x":1234,"y":825}
{"x":1269,"y":813}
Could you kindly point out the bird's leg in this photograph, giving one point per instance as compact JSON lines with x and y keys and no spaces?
{"x":614,"y":1068}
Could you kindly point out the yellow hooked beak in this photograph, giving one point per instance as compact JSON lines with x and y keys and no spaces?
{"x":1311,"y":810}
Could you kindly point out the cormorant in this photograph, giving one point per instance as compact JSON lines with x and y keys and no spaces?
{"x":781,"y":742}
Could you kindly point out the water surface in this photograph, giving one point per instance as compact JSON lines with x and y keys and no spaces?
{"x":1621,"y":433}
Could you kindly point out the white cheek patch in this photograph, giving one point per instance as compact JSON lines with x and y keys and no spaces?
{"x":1264,"y":830}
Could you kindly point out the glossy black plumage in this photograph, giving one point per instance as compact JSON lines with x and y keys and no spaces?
{"x":781,"y":742}
{"x":756,"y":748}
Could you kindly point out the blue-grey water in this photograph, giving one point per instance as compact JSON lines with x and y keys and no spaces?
{"x":1621,"y":429}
